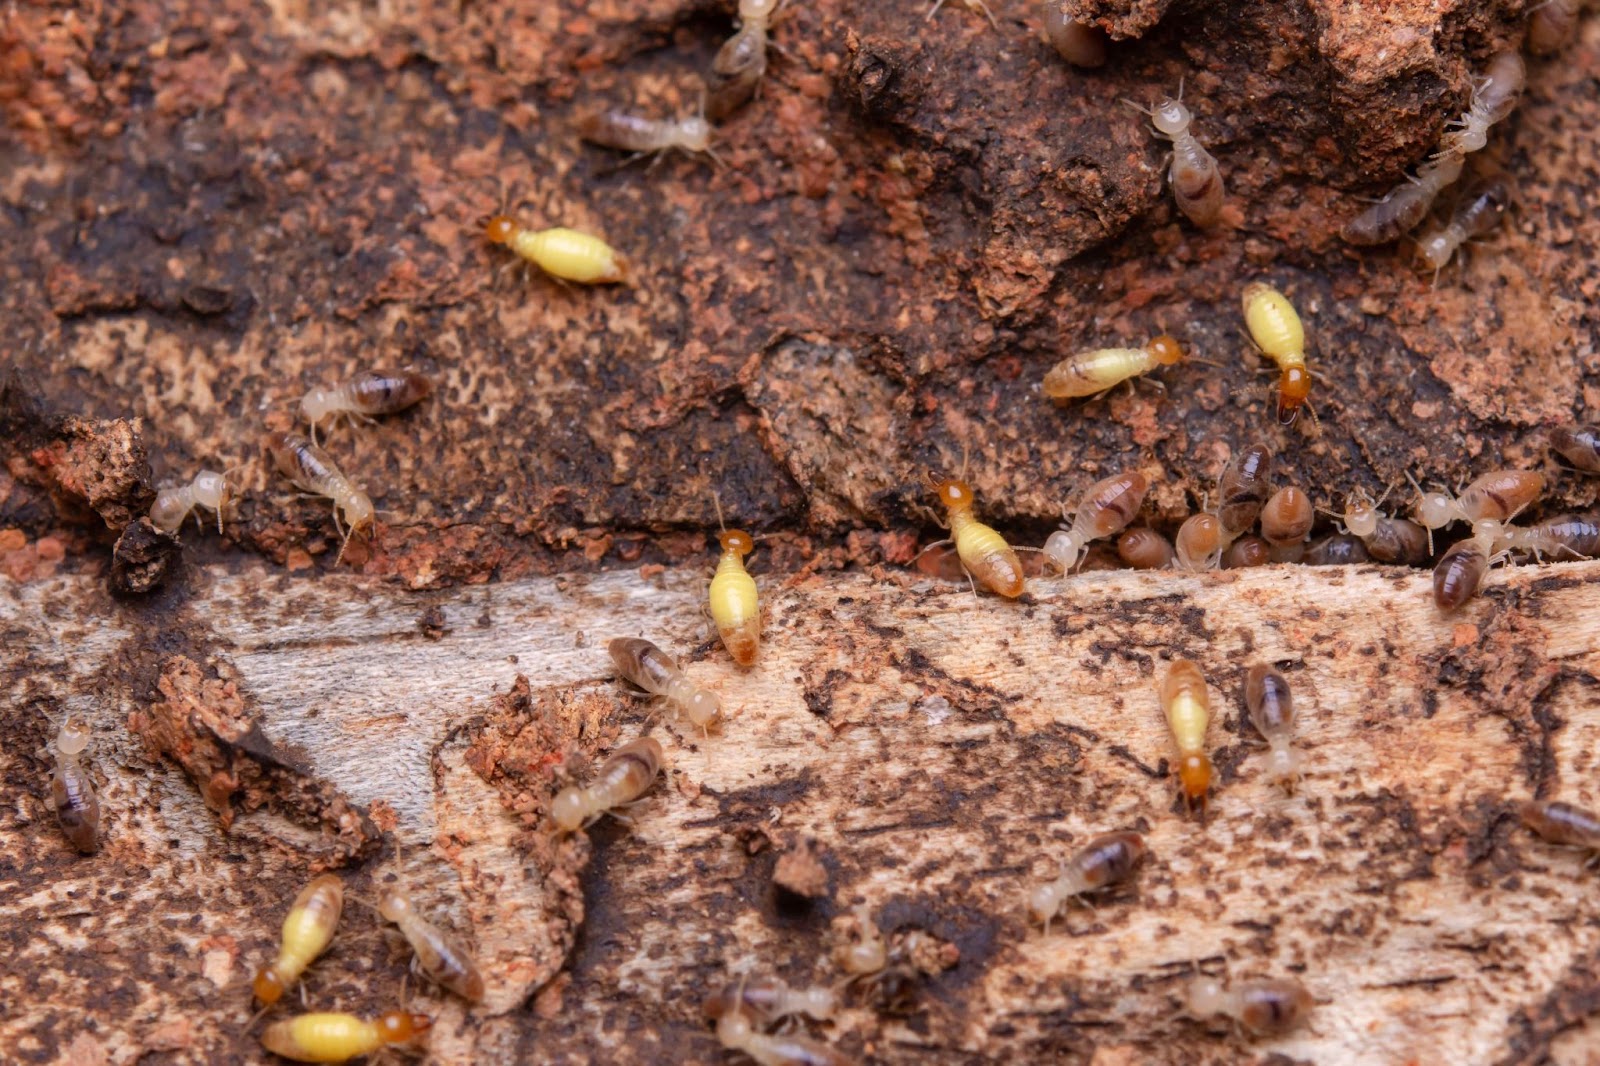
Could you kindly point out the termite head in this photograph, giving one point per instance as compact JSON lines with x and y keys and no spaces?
{"x":1204,"y":997}
{"x":1435,"y":249}
{"x":1043,"y":904}
{"x":358,"y":512}
{"x":212,"y":489}
{"x":316,"y":405}
{"x":696,"y":133}
{"x":73,"y":737}
{"x":703,"y":707}
{"x":568,"y":810}
{"x":1194,"y":774}
{"x":394,"y":905}
{"x":734,"y":1029}
{"x":1166,"y":350}
{"x":500,"y":229}
{"x":1170,"y":117}
{"x":268,"y":986}
{"x":757,"y":9}
{"x":954,"y":494}
{"x":1283,"y":765}
{"x":1488,"y":530}
{"x":1361,"y":516}
{"x":1472,"y":138}
{"x":398,"y":1026}
{"x":736,"y":542}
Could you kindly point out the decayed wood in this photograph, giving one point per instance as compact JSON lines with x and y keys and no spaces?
{"x":938,"y":754}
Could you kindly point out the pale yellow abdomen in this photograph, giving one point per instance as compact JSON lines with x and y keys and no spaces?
{"x":1183,"y":692}
{"x":1088,"y":373}
{"x":986,"y":555}
{"x":321,"y":1038}
{"x":1273,"y":322}
{"x":736,"y":609}
{"x":573,"y":256}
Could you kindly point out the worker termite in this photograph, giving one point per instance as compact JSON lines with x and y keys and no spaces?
{"x":643,"y":664}
{"x":1242,"y":489}
{"x":1336,"y":549}
{"x":1564,"y":824}
{"x":736,"y":1033}
{"x":1494,"y":96}
{"x":1568,"y":536}
{"x":307,"y":931}
{"x":1286,"y":520}
{"x":1271,"y":705}
{"x":741,"y":62}
{"x":867,"y":953}
{"x":1106,"y":508}
{"x":173,"y":505}
{"x":1200,"y":542}
{"x":562,"y":253}
{"x":1275,"y":327}
{"x":365,"y":396}
{"x":1195,"y":178}
{"x":1550,"y":26}
{"x":1247,"y":551}
{"x":439,"y":956}
{"x":1496,"y":496}
{"x":1479,"y":213}
{"x":735,"y":602}
{"x":613,"y":128}
{"x":1188,"y":710}
{"x":1578,"y":445}
{"x":72,"y":792}
{"x":1090,"y":373}
{"x":1078,"y":43}
{"x":1404,"y":206}
{"x":1267,"y":1006}
{"x":984,"y":553}
{"x":309,"y":467}
{"x":1144,"y":549}
{"x":770,"y":999}
{"x":1388,"y":540}
{"x":1106,"y":860}
{"x":330,"y":1037}
{"x":1459,"y":573}
{"x":621,"y":779}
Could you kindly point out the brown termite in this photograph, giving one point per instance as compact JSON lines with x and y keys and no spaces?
{"x":1106,"y":860}
{"x":621,"y":779}
{"x":310,"y":469}
{"x":1550,"y":26}
{"x":1567,"y":536}
{"x":1079,"y":43}
{"x":1249,"y":550}
{"x":1265,"y":1006}
{"x":1089,"y":373}
{"x":1286,"y":520}
{"x":1459,"y":573}
{"x":1403,"y":207}
{"x":439,"y":956}
{"x":770,"y":999}
{"x":1271,"y":705}
{"x":1388,"y":540}
{"x":1106,"y":508}
{"x":642,"y":136}
{"x":1188,"y":709}
{"x":72,"y":787}
{"x":367,"y":395}
{"x":1336,"y":549}
{"x":173,"y":505}
{"x":1578,"y":445}
{"x":741,"y":62}
{"x":1494,"y":96}
{"x":1200,"y":542}
{"x":1194,"y":175}
{"x":1479,"y":213}
{"x":307,"y":932}
{"x":1144,"y":549}
{"x":1496,"y":496}
{"x":1564,"y":824}
{"x":736,"y":1032}
{"x":1243,"y":487}
{"x":641,"y":663}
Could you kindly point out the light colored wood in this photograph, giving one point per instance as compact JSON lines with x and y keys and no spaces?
{"x":966,"y":747}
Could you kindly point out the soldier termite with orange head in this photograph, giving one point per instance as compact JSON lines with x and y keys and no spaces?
{"x":1550,"y":26}
{"x":735,"y":603}
{"x":173,"y":505}
{"x":769,"y":999}
{"x":439,"y":956}
{"x":1267,"y":1006}
{"x":1106,"y":860}
{"x":1478,"y":214}
{"x":72,"y":794}
{"x":1243,"y":487}
{"x":1403,"y":207}
{"x":641,"y":663}
{"x":1144,"y":549}
{"x":736,"y":1032}
{"x":613,"y":128}
{"x":1562,"y":823}
{"x":1188,"y":710}
{"x":1200,"y":542}
{"x":740,"y":63}
{"x":309,"y":467}
{"x":367,"y":395}
{"x":329,"y":1037}
{"x":1078,"y":43}
{"x":1271,"y":704}
{"x":560,"y":252}
{"x":1090,"y":373}
{"x":1106,"y":508}
{"x":1275,"y":327}
{"x":1286,"y":521}
{"x":307,"y":931}
{"x":1578,"y":445}
{"x":623,"y":778}
{"x":1194,"y":175}
{"x":984,"y":552}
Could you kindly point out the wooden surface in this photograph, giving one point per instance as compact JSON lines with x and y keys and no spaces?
{"x":945,"y":752}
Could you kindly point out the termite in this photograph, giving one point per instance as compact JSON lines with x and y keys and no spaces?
{"x":736,"y":1033}
{"x":1578,"y":445}
{"x":643,"y":664}
{"x":1271,"y":704}
{"x":1194,"y":175}
{"x":769,"y":999}
{"x":173,"y":505}
{"x":1479,"y":213}
{"x":1106,"y":508}
{"x":1564,"y":536}
{"x":560,"y":252}
{"x":1242,"y":489}
{"x":1079,"y":43}
{"x":1286,"y":520}
{"x":1144,"y":549}
{"x":970,"y":5}
{"x":735,"y":603}
{"x":365,"y":396}
{"x":309,"y":467}
{"x":1106,"y":860}
{"x":1497,"y":496}
{"x":72,"y":787}
{"x":867,"y":953}
{"x":1090,"y":373}
{"x":1275,"y":327}
{"x":307,"y":931}
{"x":1459,"y":573}
{"x":1388,"y":540}
{"x":1494,"y":96}
{"x":741,"y":62}
{"x":1403,"y":207}
{"x":621,"y":779}
{"x":1247,"y":551}
{"x":330,"y":1037}
{"x":1188,"y":709}
{"x":1550,"y":26}
{"x":439,"y":956}
{"x":1268,"y":1006}
{"x":628,"y":132}
{"x":984,"y":553}
{"x":1562,"y":823}
{"x":1200,"y":542}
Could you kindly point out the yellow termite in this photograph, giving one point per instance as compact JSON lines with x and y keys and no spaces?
{"x":329,"y":1037}
{"x":560,"y":252}
{"x":735,"y":602}
{"x":1090,"y":373}
{"x":1275,"y":327}
{"x":1188,"y":708}
{"x":984,"y":553}
{"x":307,"y":931}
